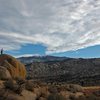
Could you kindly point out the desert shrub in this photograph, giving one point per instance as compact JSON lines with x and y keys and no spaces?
{"x":53,"y":89}
{"x":39,"y":83}
{"x":74,"y":88}
{"x":44,"y":92}
{"x":18,"y":89}
{"x":81,"y":98}
{"x":29,"y":85}
{"x":2,"y":93}
{"x":6,"y":94}
{"x":72,"y":97}
{"x":97,"y":93}
{"x":20,"y":81}
{"x":41,"y":98}
{"x":11,"y":85}
{"x":55,"y":97}
{"x":92,"y":97}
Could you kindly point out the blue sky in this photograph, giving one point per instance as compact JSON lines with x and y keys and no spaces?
{"x":50,"y":27}
{"x":39,"y":50}
{"x":29,"y":49}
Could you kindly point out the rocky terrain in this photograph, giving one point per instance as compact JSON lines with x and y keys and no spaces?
{"x":70,"y":70}
{"x":15,"y":86}
{"x":32,"y":90}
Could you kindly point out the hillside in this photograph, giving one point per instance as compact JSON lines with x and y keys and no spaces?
{"x":70,"y":70}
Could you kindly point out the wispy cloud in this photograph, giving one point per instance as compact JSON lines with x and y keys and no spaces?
{"x":60,"y":25}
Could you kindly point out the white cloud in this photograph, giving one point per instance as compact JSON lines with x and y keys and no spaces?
{"x":28,"y":55}
{"x":60,"y":25}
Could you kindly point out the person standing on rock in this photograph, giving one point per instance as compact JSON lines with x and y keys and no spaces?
{"x":1,"y":51}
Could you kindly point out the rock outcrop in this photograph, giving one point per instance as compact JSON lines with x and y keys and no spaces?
{"x":4,"y":73}
{"x":15,"y":67}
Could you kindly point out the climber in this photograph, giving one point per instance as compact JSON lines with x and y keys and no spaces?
{"x":1,"y":51}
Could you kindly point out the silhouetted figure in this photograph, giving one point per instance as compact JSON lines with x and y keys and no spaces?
{"x":1,"y":51}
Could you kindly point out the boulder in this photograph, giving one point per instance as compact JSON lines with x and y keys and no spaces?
{"x":15,"y":67}
{"x":4,"y":73}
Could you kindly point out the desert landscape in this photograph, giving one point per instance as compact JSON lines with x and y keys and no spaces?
{"x":49,"y":49}
{"x":14,"y":85}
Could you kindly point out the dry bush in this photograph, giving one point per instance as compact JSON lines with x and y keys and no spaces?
{"x":92,"y":97}
{"x":41,"y":98}
{"x":2,"y":94}
{"x":9,"y":84}
{"x":72,"y":97}
{"x":55,"y":97}
{"x":13,"y":86}
{"x":81,"y":98}
{"x":44,"y":92}
{"x":74,"y":88}
{"x":53,"y":89}
{"x":97,"y":93}
{"x":20,"y":81}
{"x":29,"y":85}
{"x":8,"y":95}
{"x":55,"y":93}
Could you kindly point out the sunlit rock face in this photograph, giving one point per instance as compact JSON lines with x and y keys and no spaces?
{"x":14,"y":67}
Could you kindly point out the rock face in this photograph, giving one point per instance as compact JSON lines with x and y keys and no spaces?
{"x":4,"y":73}
{"x":15,"y":67}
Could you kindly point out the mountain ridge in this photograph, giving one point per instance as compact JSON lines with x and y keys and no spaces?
{"x":30,"y":59}
{"x":70,"y":70}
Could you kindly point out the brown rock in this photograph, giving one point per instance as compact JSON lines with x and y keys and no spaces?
{"x":4,"y":73}
{"x":15,"y":67}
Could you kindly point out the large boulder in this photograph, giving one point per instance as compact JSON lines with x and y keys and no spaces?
{"x":4,"y":73}
{"x":15,"y":67}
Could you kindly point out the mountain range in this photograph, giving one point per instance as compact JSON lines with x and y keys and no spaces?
{"x":30,"y":59}
{"x":63,"y":69}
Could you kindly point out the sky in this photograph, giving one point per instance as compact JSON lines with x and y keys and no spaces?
{"x":50,"y":27}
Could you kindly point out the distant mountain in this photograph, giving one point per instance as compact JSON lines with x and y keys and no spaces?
{"x":28,"y":60}
{"x":63,"y":69}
